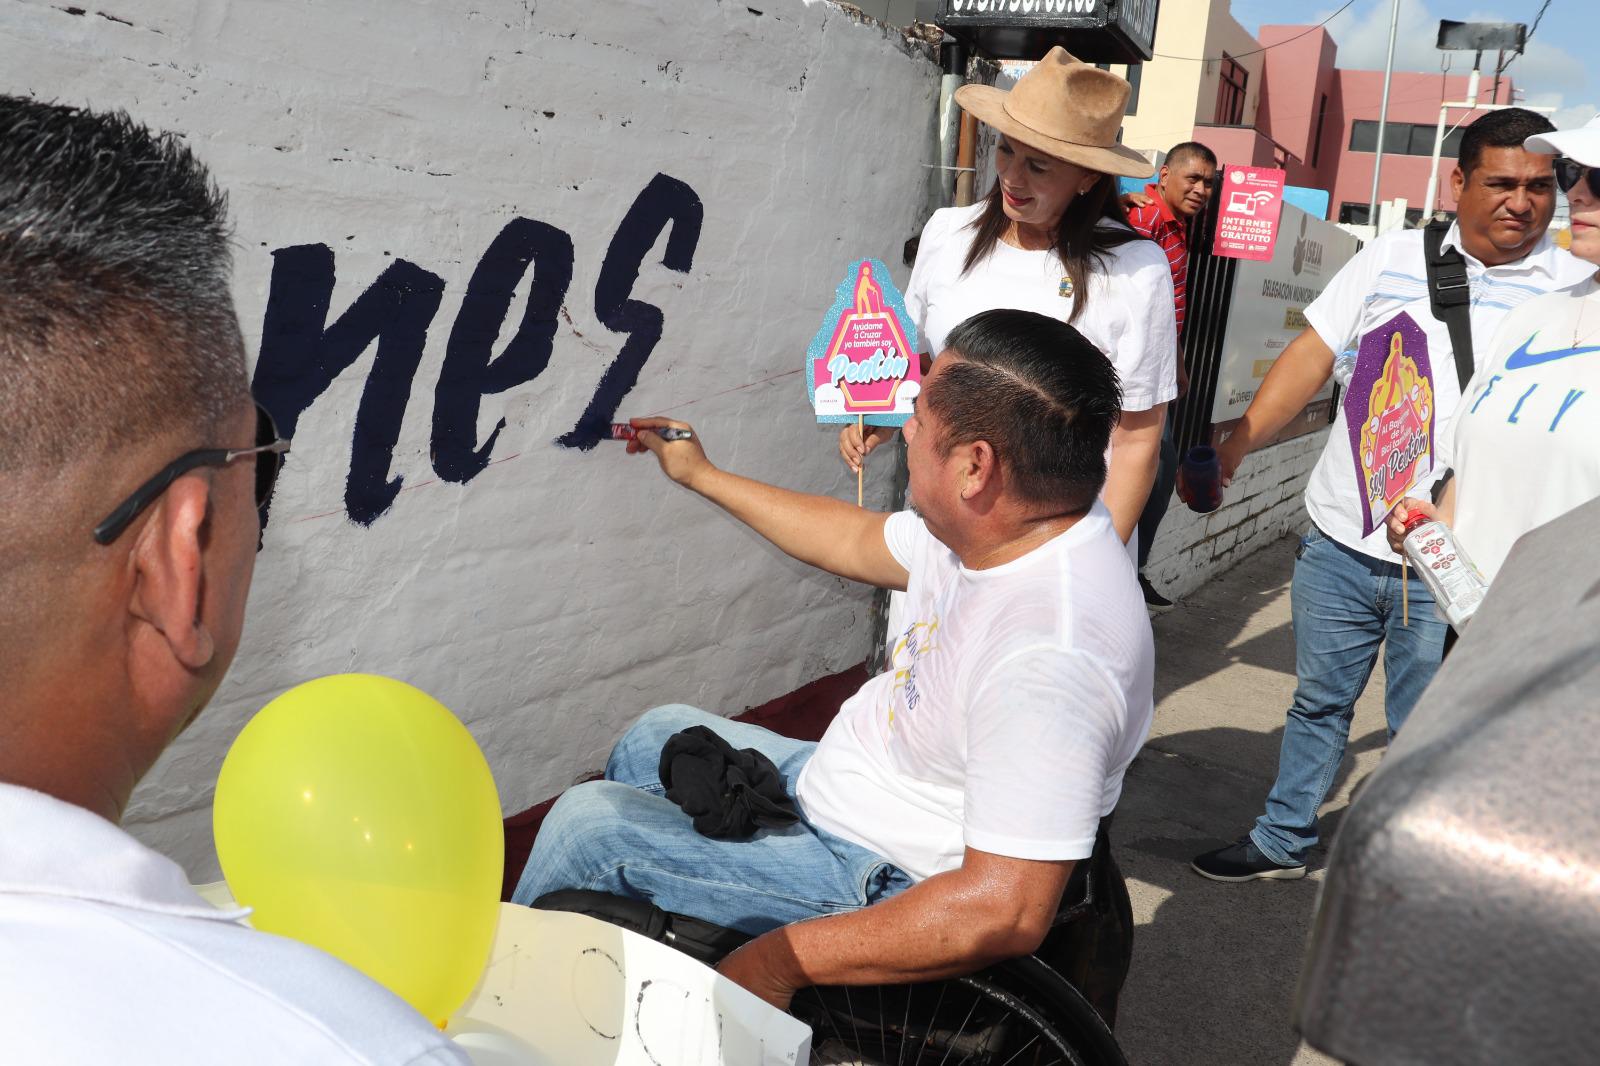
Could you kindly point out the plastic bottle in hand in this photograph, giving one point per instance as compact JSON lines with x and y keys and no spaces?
{"x":1344,"y":368}
{"x":1457,"y":586}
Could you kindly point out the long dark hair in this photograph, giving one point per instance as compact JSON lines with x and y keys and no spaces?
{"x":1081,"y":242}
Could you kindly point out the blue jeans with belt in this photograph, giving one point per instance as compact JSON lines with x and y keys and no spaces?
{"x":623,"y":836}
{"x":1345,"y":605}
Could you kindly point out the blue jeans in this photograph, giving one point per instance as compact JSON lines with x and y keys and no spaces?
{"x":1345,"y":605}
{"x":623,"y":836}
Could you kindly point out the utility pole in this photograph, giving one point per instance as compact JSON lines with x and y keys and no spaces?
{"x":1383,"y":115}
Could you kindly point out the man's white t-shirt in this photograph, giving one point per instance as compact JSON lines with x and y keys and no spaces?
{"x":1386,"y":277}
{"x":1129,"y":315}
{"x":108,"y":956}
{"x":1016,"y":698}
{"x":1527,"y":440}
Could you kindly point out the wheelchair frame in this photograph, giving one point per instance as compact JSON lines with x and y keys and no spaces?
{"x":1020,"y":1012}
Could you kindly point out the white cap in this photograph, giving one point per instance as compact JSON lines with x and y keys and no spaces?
{"x":1581,"y":145}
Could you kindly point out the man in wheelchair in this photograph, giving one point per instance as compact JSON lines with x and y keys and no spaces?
{"x":943,"y":811}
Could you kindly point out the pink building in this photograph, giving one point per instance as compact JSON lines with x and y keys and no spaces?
{"x":1319,"y":122}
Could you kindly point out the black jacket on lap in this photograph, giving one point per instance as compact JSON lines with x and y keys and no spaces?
{"x":729,"y":792}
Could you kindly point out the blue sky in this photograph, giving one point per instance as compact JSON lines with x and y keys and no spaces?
{"x":1561,"y":67}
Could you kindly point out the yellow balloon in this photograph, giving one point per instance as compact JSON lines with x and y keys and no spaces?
{"x":357,"y":814}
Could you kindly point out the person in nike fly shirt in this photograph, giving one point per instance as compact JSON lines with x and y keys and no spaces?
{"x":1527,"y":440}
{"x":1346,"y":597}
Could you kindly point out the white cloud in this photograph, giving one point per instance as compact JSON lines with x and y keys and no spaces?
{"x":1565,"y":116}
{"x":1363,"y":38}
{"x":1545,"y":74}
{"x":1569,"y":118}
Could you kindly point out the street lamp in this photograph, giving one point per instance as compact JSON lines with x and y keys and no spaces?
{"x":1477,"y":37}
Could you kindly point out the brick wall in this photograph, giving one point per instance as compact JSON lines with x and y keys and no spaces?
{"x":1264,"y":503}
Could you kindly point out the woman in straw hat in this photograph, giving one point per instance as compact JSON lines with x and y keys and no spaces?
{"x":1051,"y":237}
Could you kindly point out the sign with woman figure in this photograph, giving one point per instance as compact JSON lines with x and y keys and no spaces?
{"x":1390,"y":411}
{"x":862,"y":363}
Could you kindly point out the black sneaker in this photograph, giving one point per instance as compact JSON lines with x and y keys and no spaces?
{"x":1153,"y":600}
{"x":1243,"y":861}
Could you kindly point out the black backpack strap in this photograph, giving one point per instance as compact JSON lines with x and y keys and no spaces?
{"x":1450,"y":295}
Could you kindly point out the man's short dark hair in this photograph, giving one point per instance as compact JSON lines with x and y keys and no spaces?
{"x":1042,"y":396}
{"x":1507,"y":128}
{"x":1190,"y":150}
{"x":116,"y":313}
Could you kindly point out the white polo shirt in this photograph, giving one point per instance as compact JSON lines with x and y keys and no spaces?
{"x":1389,"y":276}
{"x":108,"y":956}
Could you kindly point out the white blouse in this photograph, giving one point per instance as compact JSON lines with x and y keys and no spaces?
{"x":1130,"y":315}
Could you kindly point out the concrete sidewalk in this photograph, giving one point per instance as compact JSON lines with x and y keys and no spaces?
{"x":1215,"y":965}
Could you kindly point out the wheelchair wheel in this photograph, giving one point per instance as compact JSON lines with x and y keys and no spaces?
{"x":1018,"y":1013}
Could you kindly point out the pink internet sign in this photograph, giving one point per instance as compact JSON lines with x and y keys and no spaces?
{"x":1252,"y":200}
{"x":863,"y":361}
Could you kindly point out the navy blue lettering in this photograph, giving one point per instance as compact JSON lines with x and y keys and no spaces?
{"x":662,"y":203}
{"x":470,"y":370}
{"x":301,"y":355}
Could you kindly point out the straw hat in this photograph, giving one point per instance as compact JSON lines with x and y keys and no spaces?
{"x":1065,"y":107}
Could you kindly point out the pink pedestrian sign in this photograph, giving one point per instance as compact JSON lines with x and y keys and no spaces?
{"x":1252,"y":199}
{"x":863,"y":363}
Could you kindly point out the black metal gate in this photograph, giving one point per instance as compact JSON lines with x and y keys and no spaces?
{"x":1208,"y":301}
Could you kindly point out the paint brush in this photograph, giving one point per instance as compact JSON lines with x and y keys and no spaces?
{"x":623,"y":431}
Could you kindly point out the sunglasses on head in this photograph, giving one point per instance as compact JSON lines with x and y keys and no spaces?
{"x":1569,"y":172}
{"x":269,"y":451}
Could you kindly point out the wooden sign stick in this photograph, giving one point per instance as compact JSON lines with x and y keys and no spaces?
{"x":861,"y":470}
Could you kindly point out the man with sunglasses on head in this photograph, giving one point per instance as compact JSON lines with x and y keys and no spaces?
{"x":132,"y":464}
{"x":1346,"y":596}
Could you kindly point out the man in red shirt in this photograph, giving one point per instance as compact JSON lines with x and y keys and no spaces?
{"x":1181,"y":190}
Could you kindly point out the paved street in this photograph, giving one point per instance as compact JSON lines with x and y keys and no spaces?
{"x":1215,"y":965}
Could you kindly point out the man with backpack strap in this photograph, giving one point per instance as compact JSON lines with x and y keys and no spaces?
{"x":1346,"y":594}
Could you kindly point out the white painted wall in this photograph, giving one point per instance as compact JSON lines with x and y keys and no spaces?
{"x":560,"y":592}
{"x":891,"y":12}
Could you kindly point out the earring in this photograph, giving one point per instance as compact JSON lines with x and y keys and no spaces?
{"x":1064,"y":290}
